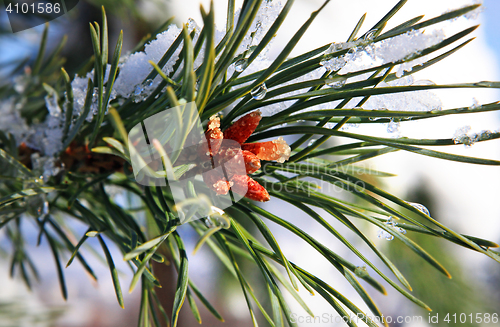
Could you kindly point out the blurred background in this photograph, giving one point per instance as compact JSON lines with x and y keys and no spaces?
{"x":464,"y":197}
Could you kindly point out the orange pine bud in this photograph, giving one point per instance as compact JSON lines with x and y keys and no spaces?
{"x":252,"y":163}
{"x":216,"y":181}
{"x":241,"y":129}
{"x":245,"y":185}
{"x":214,"y":138}
{"x":234,"y":159}
{"x":214,"y":134}
{"x":272,"y":150}
{"x":231,"y":158}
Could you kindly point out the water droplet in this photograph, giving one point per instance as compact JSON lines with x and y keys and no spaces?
{"x":191,"y":25}
{"x":333,"y":64}
{"x":424,"y":82}
{"x":334,"y":47}
{"x":370,"y":35}
{"x":361,"y":271}
{"x":376,"y":118}
{"x":352,"y":52}
{"x":138,"y":90}
{"x":420,"y":207}
{"x":240,"y":65}
{"x":383,"y":234}
{"x":141,"y":91}
{"x":336,"y":82}
{"x":259,"y":92}
{"x":392,"y":224}
{"x":311,"y":142}
{"x":92,"y":233}
{"x":408,"y":80}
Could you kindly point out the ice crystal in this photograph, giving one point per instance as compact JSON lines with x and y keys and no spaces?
{"x":364,"y":54}
{"x":404,"y":101}
{"x":52,"y":105}
{"x":334,"y":64}
{"x":45,"y":166}
{"x":393,"y":127}
{"x":21,"y":82}
{"x":471,"y":14}
{"x":266,"y":15}
{"x":346,"y":127}
{"x":463,"y":136}
{"x":11,"y":120}
{"x":475,"y":104}
{"x":135,"y":68}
